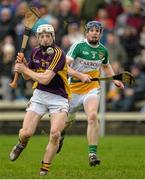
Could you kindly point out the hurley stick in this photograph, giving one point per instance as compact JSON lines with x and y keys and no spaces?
{"x":31,"y":16}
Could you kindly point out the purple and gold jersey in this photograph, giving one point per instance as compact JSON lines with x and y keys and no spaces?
{"x":51,"y":58}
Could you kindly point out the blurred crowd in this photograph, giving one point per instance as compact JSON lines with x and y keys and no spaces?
{"x":123,"y":35}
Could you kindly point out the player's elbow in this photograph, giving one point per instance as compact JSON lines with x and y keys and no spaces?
{"x":26,"y":77}
{"x":46,"y":77}
{"x":45,"y":81}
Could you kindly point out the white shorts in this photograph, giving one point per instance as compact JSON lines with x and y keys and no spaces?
{"x":42,"y":101}
{"x":80,"y":99}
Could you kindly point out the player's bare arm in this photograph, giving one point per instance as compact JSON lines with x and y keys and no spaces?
{"x":107,"y":68}
{"x":43,"y":78}
{"x":83,"y":77}
{"x":21,"y":59}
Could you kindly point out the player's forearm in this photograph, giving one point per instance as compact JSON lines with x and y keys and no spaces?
{"x":26,"y":77}
{"x":73,"y":73}
{"x":43,"y":78}
{"x":108,"y":70}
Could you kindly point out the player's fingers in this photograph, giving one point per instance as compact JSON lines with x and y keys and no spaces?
{"x":20,"y":57}
{"x":119,"y":84}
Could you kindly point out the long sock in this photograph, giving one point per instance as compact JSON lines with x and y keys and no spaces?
{"x":92,"y":149}
{"x":45,"y":166}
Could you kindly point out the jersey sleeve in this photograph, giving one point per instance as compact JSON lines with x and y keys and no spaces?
{"x":73,"y":51}
{"x":105,"y":60}
{"x":58,"y":61}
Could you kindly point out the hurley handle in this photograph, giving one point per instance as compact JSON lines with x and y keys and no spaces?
{"x":13,"y":84}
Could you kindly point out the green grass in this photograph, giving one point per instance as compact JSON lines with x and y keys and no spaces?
{"x":123,"y":157}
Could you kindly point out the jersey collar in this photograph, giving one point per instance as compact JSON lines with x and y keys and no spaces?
{"x":91,"y":45}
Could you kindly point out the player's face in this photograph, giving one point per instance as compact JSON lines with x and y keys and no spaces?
{"x":93,"y":35}
{"x":45,"y":39}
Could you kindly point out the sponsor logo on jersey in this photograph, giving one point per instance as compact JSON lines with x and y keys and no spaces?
{"x":90,"y":63}
{"x":85,"y":52}
{"x":101,"y":55}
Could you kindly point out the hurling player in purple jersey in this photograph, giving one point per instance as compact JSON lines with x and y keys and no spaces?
{"x":47,"y":67}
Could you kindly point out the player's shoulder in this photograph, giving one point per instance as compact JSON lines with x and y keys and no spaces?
{"x":81,"y":42}
{"x":59,"y":50}
{"x":35,"y":50}
{"x":77,"y":44}
{"x":102,"y":47}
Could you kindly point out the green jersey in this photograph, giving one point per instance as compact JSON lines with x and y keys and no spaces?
{"x":87,"y":59}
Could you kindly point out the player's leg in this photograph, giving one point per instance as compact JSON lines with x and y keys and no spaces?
{"x":29,"y":126}
{"x":73,"y":104}
{"x":91,"y":103}
{"x":57,"y":125}
{"x":34,"y":112}
{"x":68,"y":124}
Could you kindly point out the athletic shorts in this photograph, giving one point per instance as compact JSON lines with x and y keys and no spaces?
{"x":42,"y":102}
{"x":80,"y":99}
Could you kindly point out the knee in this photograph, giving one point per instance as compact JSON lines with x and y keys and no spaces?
{"x":25,"y":133}
{"x":92,"y":117}
{"x":54,"y":136}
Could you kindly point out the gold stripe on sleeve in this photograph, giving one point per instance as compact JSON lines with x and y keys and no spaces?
{"x":55,"y":59}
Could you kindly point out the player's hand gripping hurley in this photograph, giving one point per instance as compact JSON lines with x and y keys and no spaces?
{"x":125,"y":77}
{"x":31,"y":16}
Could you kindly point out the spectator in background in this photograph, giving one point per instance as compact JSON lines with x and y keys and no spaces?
{"x":137,"y":17}
{"x":114,"y":9}
{"x":65,"y":43}
{"x":6,"y":24}
{"x":88,"y":11}
{"x":35,"y":3}
{"x":102,"y":16}
{"x":142,"y":36}
{"x":74,"y":33}
{"x":133,"y":93}
{"x":65,"y":17}
{"x":8,"y":55}
{"x":129,"y":41}
{"x":113,"y":93}
{"x":8,"y":40}
{"x":75,"y":7}
{"x":121,"y":20}
{"x":7,"y":4}
{"x":140,"y":60}
{"x":116,"y":50}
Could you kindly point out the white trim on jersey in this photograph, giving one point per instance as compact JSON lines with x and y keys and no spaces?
{"x":92,"y":45}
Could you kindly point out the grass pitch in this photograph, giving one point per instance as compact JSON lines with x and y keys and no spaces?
{"x":123,"y":157}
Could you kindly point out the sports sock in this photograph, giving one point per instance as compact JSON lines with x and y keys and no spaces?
{"x":45,"y":166}
{"x":92,"y":149}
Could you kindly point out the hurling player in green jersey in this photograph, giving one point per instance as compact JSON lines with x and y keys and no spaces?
{"x":85,"y":59}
